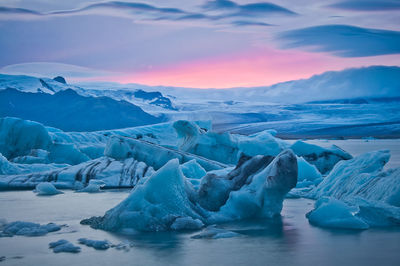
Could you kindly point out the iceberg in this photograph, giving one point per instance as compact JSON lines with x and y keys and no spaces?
{"x":224,"y":147}
{"x":27,"y":229}
{"x":212,"y":232}
{"x":94,"y":186}
{"x":323,"y":158}
{"x":362,"y":176}
{"x":112,"y":172}
{"x":18,"y":137}
{"x":63,"y":245}
{"x":152,"y":154}
{"x":96,"y":244}
{"x":333,"y":213}
{"x":168,"y":201}
{"x":47,"y":189}
{"x":364,"y":188}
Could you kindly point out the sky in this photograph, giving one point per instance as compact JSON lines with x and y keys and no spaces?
{"x":198,"y":44}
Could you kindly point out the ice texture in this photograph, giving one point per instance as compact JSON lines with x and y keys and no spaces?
{"x":308,"y":174}
{"x":94,"y":186}
{"x":363,"y":184}
{"x":96,"y":244}
{"x":323,"y":158}
{"x":214,"y":233}
{"x":224,"y":147}
{"x":18,"y":137}
{"x":167,"y":200}
{"x":152,"y":154}
{"x":63,"y":245}
{"x":362,"y":176}
{"x":28,"y":229}
{"x":333,"y":213}
{"x":113,"y":173}
{"x":46,"y":188}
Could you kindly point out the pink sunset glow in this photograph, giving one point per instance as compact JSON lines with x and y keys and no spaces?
{"x":261,"y":67}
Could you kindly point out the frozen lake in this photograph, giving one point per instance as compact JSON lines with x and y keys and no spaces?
{"x":289,"y":240}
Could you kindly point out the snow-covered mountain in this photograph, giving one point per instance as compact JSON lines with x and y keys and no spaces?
{"x":68,"y":110}
{"x":349,"y":103}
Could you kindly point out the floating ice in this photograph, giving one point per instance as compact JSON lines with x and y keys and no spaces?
{"x":63,"y":245}
{"x":215,"y":233}
{"x":94,"y":186}
{"x":18,"y":137}
{"x":96,"y":244}
{"x":225,"y":147}
{"x":28,"y":229}
{"x":113,"y":172}
{"x":333,"y":213}
{"x":167,"y":201}
{"x":362,"y":182}
{"x":323,"y":158}
{"x":152,"y":154}
{"x":46,"y":188}
{"x":362,"y":177}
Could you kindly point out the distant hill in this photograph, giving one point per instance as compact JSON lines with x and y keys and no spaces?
{"x":69,"y":111}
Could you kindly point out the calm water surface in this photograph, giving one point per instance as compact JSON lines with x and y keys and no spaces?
{"x":289,"y":240}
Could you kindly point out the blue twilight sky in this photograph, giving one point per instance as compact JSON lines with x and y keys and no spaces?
{"x":218,"y":43}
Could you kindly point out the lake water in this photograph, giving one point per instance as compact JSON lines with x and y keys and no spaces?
{"x":289,"y":240}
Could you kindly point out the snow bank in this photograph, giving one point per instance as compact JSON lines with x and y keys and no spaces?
{"x":63,"y":245}
{"x":47,"y":189}
{"x":28,"y":229}
{"x":323,"y":158}
{"x":167,"y":201}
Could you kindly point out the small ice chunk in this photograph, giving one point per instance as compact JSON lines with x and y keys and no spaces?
{"x":94,"y":186}
{"x":47,"y":189}
{"x":333,"y":213}
{"x":186,"y":223}
{"x":28,"y":229}
{"x":64,"y":246}
{"x":215,"y":233}
{"x":96,"y":244}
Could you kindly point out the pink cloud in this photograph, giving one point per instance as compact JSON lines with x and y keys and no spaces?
{"x":260,"y":67}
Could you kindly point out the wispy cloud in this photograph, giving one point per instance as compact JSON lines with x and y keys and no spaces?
{"x":146,"y":12}
{"x":343,"y":40}
{"x":367,"y":5}
{"x":231,"y":8}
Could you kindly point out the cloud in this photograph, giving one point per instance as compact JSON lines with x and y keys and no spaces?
{"x":343,"y":40}
{"x":253,"y":9}
{"x":250,"y":23}
{"x":49,"y":70}
{"x":367,"y":5}
{"x":137,"y":11}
